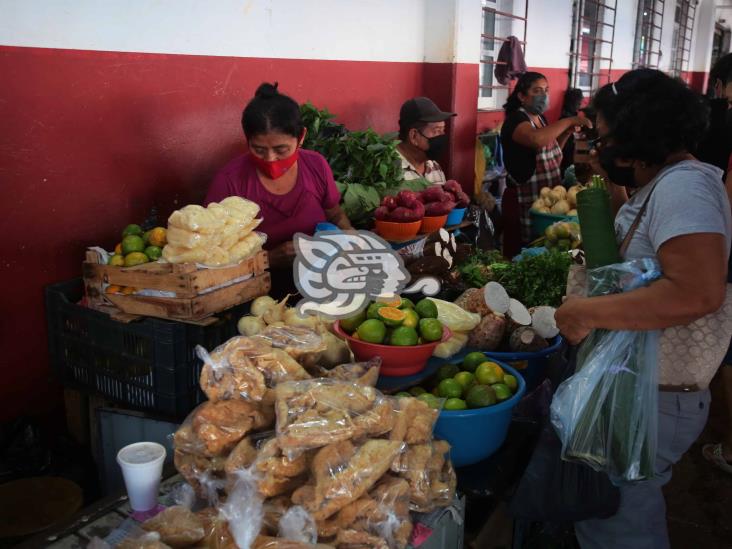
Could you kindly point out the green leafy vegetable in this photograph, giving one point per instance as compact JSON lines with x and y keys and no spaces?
{"x":536,"y":280}
{"x":478,"y":269}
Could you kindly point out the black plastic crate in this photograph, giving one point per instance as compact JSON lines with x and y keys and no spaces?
{"x":148,"y":364}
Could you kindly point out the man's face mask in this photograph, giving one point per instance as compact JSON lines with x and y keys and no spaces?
{"x":538,"y":104}
{"x":620,"y":175}
{"x":437,"y":144}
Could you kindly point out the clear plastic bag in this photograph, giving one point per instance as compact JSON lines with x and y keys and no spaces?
{"x":276,"y":473}
{"x":414,"y":421}
{"x":245,"y":367}
{"x":298,"y":525}
{"x":606,"y":413}
{"x":363,"y":373}
{"x":243,"y":509}
{"x":318,"y":412}
{"x":428,"y":471}
{"x":177,"y":526}
{"x":300,"y":343}
{"x":342,"y":473}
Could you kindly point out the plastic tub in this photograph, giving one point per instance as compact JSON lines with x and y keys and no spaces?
{"x":531,"y":366}
{"x":455,"y":217}
{"x":391,"y":230}
{"x":432,"y":224}
{"x":395,"y":361}
{"x":476,"y":434}
{"x":540,"y":221}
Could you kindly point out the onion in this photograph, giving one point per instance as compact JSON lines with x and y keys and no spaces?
{"x":250,"y":325}
{"x":261,"y":304}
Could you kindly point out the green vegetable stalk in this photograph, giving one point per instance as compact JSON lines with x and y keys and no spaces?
{"x":597,"y":225}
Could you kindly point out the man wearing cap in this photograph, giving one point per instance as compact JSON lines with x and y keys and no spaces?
{"x":422,"y":135}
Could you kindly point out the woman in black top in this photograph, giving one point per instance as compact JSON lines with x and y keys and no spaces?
{"x":532,"y":154}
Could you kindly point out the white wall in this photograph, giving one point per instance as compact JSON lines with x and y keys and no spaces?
{"x":700,"y":57}
{"x":549,"y":33}
{"x":373,"y":30}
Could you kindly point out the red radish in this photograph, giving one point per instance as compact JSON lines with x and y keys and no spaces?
{"x":382,"y":213}
{"x":406,"y":199}
{"x":418,"y":210}
{"x":403,"y":215}
{"x":390,"y":202}
{"x":450,"y":196}
{"x":438,"y":208}
{"x":463,"y":200}
{"x":453,"y":186}
{"x":432,"y":194}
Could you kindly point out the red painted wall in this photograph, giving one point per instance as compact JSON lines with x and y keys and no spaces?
{"x":92,"y":140}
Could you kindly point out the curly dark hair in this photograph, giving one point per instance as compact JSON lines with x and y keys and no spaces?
{"x":651,"y":115}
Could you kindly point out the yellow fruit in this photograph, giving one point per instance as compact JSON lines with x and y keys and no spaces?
{"x":135,"y":258}
{"x":118,"y":248}
{"x":158,"y":237}
{"x":113,"y":289}
{"x":117,"y":260}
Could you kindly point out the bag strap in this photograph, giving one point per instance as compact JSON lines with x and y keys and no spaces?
{"x":636,"y":222}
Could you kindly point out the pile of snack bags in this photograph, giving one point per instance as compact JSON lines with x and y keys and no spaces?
{"x":287,"y":454}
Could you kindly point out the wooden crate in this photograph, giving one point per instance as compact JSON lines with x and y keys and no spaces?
{"x":194,"y":299}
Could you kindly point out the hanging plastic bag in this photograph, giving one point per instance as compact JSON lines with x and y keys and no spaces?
{"x":606,"y":413}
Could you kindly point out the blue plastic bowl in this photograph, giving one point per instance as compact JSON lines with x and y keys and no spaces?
{"x":531,"y":366}
{"x":325,"y":226}
{"x":476,"y":434}
{"x":455,"y":217}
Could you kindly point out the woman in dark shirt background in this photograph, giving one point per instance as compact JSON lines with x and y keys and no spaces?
{"x":532,"y":154}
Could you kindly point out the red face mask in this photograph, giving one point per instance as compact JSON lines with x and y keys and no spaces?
{"x":274,"y":169}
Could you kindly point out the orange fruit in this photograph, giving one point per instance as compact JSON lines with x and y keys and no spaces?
{"x":391,"y":316}
{"x":118,"y":249}
{"x":496,"y":369}
{"x":158,"y":237}
{"x":128,"y":290}
{"x":113,"y":289}
{"x":395,"y":302}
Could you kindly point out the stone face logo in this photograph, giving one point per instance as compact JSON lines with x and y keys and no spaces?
{"x":339,"y":273}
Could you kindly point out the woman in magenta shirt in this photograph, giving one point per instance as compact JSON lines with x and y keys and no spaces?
{"x":294,"y":187}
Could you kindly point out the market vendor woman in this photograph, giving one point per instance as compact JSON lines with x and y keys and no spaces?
{"x":293,"y":187}
{"x":532,"y":154}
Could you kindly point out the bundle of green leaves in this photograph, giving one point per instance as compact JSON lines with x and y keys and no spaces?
{"x":366,"y":165}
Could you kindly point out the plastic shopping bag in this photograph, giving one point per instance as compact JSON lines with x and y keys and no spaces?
{"x":606,"y":413}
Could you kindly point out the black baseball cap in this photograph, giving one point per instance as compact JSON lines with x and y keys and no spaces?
{"x":421,"y":109}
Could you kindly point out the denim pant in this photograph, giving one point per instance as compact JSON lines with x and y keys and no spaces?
{"x":640,"y":522}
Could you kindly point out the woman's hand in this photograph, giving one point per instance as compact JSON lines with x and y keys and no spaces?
{"x":283,"y":255}
{"x":572,"y":320}
{"x":582,"y":121}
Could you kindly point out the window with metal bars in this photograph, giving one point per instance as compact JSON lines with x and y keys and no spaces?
{"x":593,"y":37}
{"x":501,"y":19}
{"x":684,"y":16}
{"x":648,"y":33}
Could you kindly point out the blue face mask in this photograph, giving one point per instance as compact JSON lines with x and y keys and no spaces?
{"x":539,"y":104}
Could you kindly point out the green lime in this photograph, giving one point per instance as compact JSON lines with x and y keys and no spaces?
{"x":406,"y":303}
{"x":502,"y":391}
{"x":372,"y":331}
{"x":455,"y":404}
{"x":411,"y":319}
{"x":511,"y":382}
{"x":351,"y":324}
{"x":431,"y":400}
{"x":132,"y":229}
{"x":426,"y":308}
{"x":430,"y":329}
{"x":135,"y":258}
{"x":372,"y":311}
{"x":401,"y":394}
{"x":480,"y":396}
{"x":391,"y":316}
{"x":153,"y":253}
{"x":449,"y":388}
{"x":403,"y":336}
{"x":447,"y":371}
{"x":416,"y":391}
{"x":117,"y":260}
{"x":487,"y":375}
{"x":471,"y":361}
{"x":132,"y":243}
{"x":465,"y":379}
{"x":146,"y":237}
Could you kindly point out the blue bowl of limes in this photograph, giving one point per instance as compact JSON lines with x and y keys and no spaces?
{"x":476,"y":433}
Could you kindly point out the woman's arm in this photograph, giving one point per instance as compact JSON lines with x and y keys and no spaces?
{"x":536,"y":138}
{"x":282,"y":256}
{"x":338,"y":217}
{"x":693,"y":285}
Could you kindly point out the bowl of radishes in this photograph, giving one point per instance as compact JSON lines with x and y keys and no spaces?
{"x":439,"y":201}
{"x":399,"y":217}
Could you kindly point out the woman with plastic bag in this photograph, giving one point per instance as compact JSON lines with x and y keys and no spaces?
{"x":678,"y":214}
